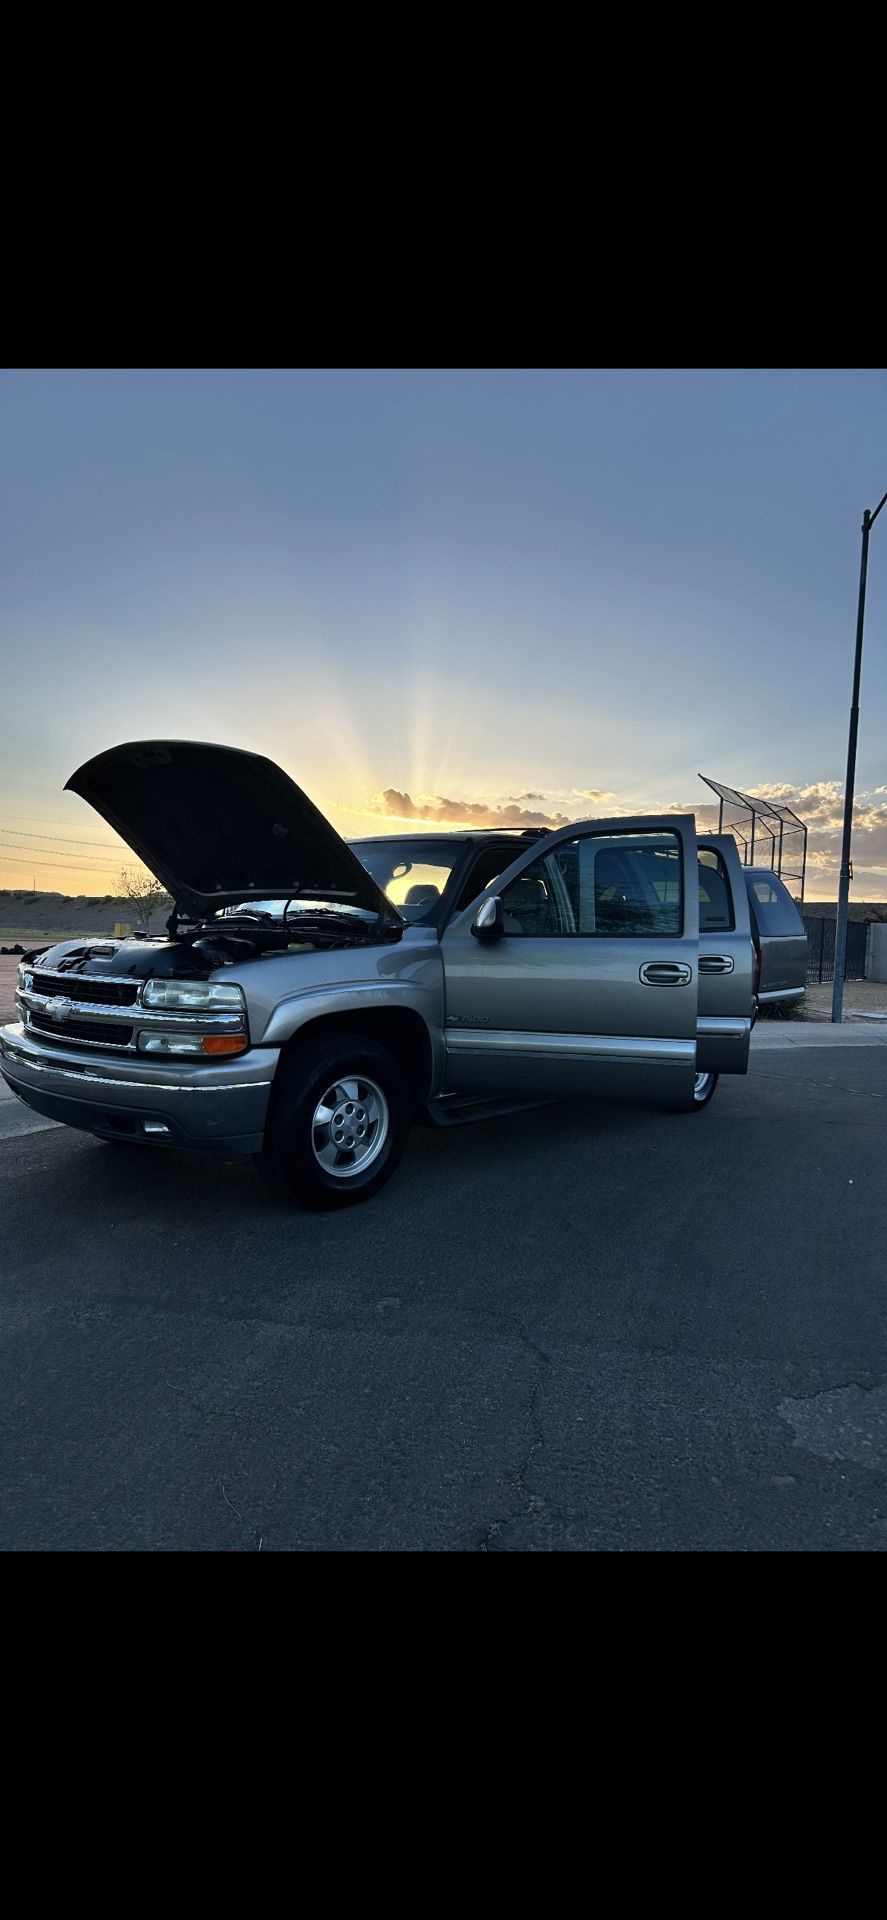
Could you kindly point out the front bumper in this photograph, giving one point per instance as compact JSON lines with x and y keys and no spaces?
{"x":219,"y":1108}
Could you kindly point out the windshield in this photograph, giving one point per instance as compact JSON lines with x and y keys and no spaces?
{"x":278,"y":913}
{"x":413,"y":873}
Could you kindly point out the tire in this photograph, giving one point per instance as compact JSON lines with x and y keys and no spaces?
{"x":704,"y":1090}
{"x":338,"y":1122}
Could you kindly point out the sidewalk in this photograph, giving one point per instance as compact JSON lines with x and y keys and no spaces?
{"x":770,"y":1034}
{"x":860,"y":996}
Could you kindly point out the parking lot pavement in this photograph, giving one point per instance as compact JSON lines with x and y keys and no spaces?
{"x":580,"y":1327}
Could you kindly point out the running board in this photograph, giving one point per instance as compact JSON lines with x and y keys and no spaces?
{"x":456,"y":1110}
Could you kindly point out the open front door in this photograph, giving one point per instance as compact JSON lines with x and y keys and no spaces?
{"x":590,"y":986}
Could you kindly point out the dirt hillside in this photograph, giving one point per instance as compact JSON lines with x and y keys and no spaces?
{"x":36,"y":914}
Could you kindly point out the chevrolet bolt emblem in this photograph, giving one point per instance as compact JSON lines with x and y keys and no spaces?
{"x":60,"y":1009}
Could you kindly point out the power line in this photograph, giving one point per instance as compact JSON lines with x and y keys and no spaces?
{"x":26,"y":854}
{"x":16,"y":857}
{"x":45,"y":864}
{"x":40,"y":819}
{"x":57,"y":838}
{"x":58,"y":866}
{"x":80,"y":860}
{"x":68,"y":819}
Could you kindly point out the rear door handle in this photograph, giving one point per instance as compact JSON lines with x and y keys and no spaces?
{"x":666,"y":973}
{"x":715,"y":963}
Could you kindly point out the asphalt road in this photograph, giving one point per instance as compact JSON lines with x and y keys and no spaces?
{"x":583,"y":1327}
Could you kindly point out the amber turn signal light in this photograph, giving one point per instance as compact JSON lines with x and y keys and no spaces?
{"x":224,"y":1042}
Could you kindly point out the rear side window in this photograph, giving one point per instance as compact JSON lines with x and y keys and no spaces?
{"x":774,"y":908}
{"x":715,"y":898}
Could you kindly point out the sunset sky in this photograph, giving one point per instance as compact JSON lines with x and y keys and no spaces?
{"x":444,"y":596}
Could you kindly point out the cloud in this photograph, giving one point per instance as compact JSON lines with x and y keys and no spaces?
{"x":822,"y":801}
{"x":819,"y":805}
{"x":441,"y":811}
{"x":706,"y":815}
{"x":779,"y":790}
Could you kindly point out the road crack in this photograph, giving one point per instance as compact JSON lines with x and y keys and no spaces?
{"x":831,"y":1086}
{"x":528,"y":1503}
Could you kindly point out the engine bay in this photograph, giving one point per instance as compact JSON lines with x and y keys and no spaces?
{"x":195,"y":952}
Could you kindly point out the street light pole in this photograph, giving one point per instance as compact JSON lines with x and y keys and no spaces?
{"x":868,"y":521}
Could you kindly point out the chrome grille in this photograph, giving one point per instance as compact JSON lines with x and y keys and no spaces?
{"x":87,"y":986}
{"x":109,"y":1033}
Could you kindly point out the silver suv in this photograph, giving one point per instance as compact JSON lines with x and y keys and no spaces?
{"x":311,"y":999}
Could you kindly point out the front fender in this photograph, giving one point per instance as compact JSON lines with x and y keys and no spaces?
{"x":300,"y":1009}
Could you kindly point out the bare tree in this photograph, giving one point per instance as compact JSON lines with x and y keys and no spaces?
{"x":143,"y":893}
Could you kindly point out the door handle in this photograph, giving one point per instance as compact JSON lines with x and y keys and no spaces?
{"x":715,"y":963}
{"x":666,"y":973}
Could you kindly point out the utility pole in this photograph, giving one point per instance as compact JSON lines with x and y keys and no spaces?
{"x":868,"y":521}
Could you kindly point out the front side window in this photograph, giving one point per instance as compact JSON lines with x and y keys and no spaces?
{"x":608,"y":885}
{"x":537,"y":903}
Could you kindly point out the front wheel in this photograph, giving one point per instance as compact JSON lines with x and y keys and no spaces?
{"x":338,"y":1122}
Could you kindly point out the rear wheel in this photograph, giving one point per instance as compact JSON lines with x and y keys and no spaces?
{"x":704,"y":1087}
{"x":338,"y":1123}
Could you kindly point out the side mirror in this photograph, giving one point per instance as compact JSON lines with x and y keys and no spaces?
{"x":489,"y":920}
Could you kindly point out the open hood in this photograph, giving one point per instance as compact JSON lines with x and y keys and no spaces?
{"x":218,"y":826}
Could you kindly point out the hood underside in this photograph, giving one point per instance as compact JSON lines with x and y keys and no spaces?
{"x":218,"y":826}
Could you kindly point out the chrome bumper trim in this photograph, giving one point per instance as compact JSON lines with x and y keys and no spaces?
{"x":723,"y":1028}
{"x":24,"y":1056}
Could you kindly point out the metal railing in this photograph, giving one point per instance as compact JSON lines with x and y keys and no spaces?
{"x":821,"y":933}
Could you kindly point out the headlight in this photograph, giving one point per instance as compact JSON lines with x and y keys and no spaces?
{"x":171,"y":1043}
{"x":201,"y":996}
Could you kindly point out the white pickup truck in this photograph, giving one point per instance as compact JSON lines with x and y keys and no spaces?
{"x":311,"y":999}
